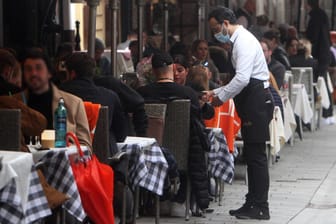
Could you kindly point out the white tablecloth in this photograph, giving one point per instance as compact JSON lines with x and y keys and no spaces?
{"x":277,"y":133}
{"x":17,"y":165}
{"x":302,"y":106}
{"x":22,"y":198}
{"x":289,"y":118}
{"x":323,"y":92}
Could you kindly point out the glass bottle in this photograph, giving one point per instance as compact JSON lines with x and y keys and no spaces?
{"x":60,"y":125}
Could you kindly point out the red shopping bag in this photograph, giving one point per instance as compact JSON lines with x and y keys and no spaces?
{"x":95,"y":185}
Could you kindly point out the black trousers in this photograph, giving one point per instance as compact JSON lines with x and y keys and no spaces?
{"x":255,"y":108}
{"x":257,"y":173}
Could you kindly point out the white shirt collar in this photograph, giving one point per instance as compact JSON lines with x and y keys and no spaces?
{"x":235,"y":33}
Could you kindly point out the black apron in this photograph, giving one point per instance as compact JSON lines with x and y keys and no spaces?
{"x":255,"y":107}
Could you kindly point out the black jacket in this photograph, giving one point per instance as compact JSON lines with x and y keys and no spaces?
{"x":278,"y":70}
{"x":280,"y":55}
{"x":131,"y":101}
{"x":88,"y":91}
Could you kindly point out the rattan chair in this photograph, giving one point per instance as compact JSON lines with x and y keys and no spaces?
{"x":156,"y":114}
{"x":10,"y":129}
{"x":176,"y":138}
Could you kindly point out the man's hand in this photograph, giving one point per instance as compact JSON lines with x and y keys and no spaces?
{"x":207,"y":95}
{"x":216,"y":102}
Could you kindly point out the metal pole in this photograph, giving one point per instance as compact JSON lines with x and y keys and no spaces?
{"x":141,"y":5}
{"x":201,"y":18}
{"x":1,"y":25}
{"x":114,"y":19}
{"x":165,"y":25}
{"x":92,"y":25}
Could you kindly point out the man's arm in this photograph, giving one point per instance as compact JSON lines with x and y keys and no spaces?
{"x":244,"y":65}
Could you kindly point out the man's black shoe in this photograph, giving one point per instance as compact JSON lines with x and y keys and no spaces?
{"x":242,"y":209}
{"x":254,"y":213}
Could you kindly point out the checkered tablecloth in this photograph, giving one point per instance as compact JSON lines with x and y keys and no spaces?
{"x":11,"y":210}
{"x":148,"y":165}
{"x":59,"y":175}
{"x":220,"y":160}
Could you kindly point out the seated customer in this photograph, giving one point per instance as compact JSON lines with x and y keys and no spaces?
{"x":44,"y":96}
{"x":132,"y":103}
{"x":163,"y":89}
{"x":81,"y":68}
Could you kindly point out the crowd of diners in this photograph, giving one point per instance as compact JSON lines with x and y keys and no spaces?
{"x":33,"y":81}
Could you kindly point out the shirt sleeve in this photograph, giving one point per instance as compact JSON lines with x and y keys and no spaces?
{"x":244,"y":66}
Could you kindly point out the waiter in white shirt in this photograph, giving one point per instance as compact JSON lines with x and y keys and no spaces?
{"x":254,"y":104}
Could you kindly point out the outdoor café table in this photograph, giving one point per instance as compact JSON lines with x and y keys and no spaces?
{"x":301,"y":106}
{"x":59,"y":174}
{"x":22,"y":198}
{"x":148,"y":165}
{"x":220,"y":160}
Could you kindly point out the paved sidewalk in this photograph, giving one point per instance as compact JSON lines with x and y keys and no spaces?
{"x":302,"y":188}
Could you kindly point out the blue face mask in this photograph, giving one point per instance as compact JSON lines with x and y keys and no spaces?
{"x":222,"y":38}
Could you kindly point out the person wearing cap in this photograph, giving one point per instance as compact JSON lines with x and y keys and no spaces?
{"x":249,"y":88}
{"x":164,"y":89}
{"x":102,"y":62}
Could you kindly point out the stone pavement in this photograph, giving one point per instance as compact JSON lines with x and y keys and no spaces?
{"x":302,"y":186}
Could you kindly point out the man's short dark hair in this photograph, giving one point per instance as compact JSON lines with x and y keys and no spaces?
{"x":272,"y":34}
{"x":83,"y":65}
{"x":38,"y":53}
{"x":161,"y":59}
{"x":222,"y":13}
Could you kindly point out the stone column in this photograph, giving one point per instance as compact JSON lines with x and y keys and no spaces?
{"x":260,"y":7}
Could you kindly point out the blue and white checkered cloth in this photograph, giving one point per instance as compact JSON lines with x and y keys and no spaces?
{"x":59,"y":175}
{"x":148,"y":166}
{"x":11,"y":210}
{"x":220,"y":160}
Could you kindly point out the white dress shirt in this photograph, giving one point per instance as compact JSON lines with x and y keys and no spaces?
{"x":249,"y":61}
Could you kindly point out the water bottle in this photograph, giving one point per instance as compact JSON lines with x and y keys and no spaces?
{"x":60,"y":117}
